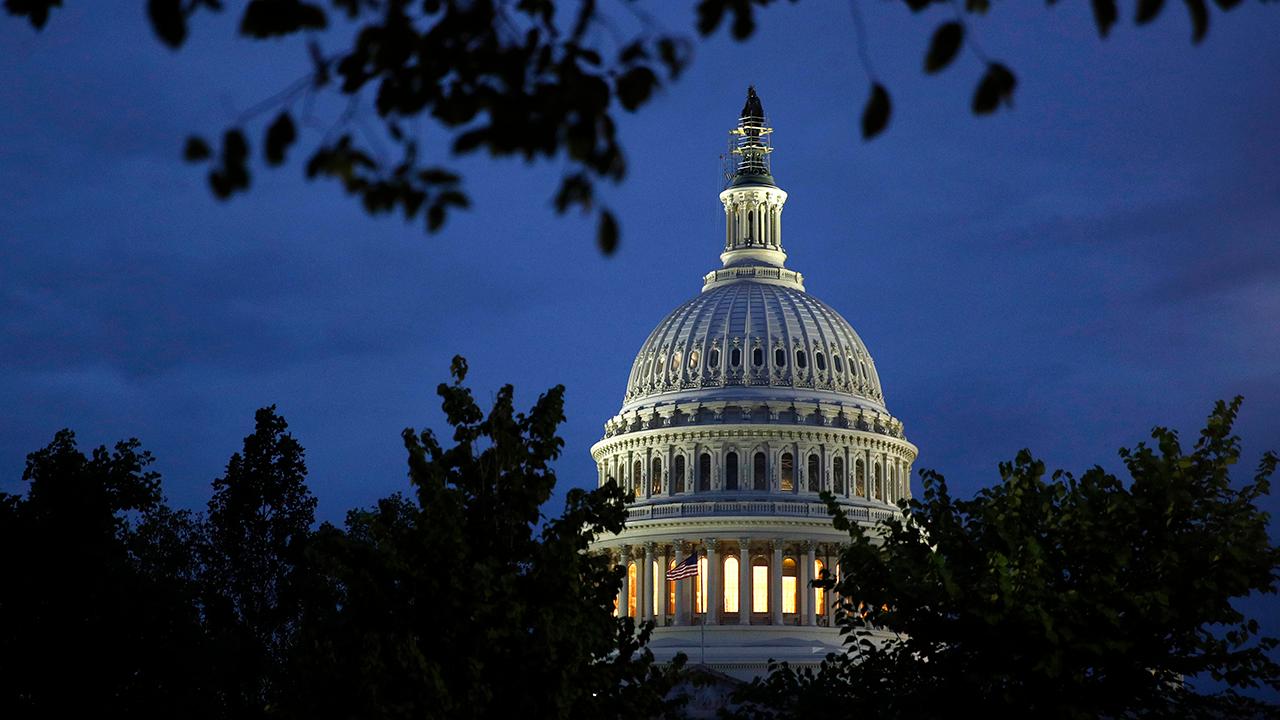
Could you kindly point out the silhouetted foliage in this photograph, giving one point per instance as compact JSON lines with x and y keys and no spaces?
{"x":1056,"y":597}
{"x":466,"y":602}
{"x":526,"y":79}
{"x":98,"y":610}
{"x":259,"y":521}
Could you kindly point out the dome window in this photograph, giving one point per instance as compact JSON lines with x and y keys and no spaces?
{"x":757,"y":357}
{"x":801,"y":361}
{"x":655,"y":478}
{"x":713,"y":358}
{"x":780,"y":357}
{"x":677,"y":475}
{"x":704,"y":472}
{"x":661,"y":360}
{"x":839,"y":365}
{"x":759,"y":474}
{"x":814,"y":473}
{"x":731,"y":471}
{"x":693,"y":359}
{"x":675,"y":361}
{"x":820,"y":361}
{"x":788,"y":473}
{"x":837,"y":475}
{"x":735,"y":357}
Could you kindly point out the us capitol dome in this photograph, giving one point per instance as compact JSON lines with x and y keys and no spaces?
{"x":742,"y":405}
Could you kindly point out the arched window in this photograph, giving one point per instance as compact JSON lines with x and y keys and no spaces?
{"x":801,"y":361}
{"x":637,"y":478}
{"x":731,"y":584}
{"x":837,"y":474}
{"x":693,"y":358}
{"x":677,"y":475}
{"x":704,"y":472}
{"x":788,"y":473}
{"x":853,"y":368}
{"x":879,"y":486}
{"x":713,"y":358}
{"x":758,"y":476}
{"x":814,"y":474}
{"x":780,"y":357}
{"x":759,"y":585}
{"x":655,"y":478}
{"x":820,"y":361}
{"x":820,"y":594}
{"x":757,"y":356}
{"x":632,"y":589}
{"x":735,"y":357}
{"x":859,"y":479}
{"x":731,"y":471}
{"x":790,"y":587}
{"x":839,"y":365}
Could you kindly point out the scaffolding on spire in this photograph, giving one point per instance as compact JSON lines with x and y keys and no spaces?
{"x":750,"y":145}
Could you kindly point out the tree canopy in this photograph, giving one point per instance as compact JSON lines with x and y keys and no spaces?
{"x":535,"y":79}
{"x":1058,"y":596}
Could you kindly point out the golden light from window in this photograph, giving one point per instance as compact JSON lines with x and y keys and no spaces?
{"x":759,"y":586}
{"x":631,"y":589}
{"x":701,"y":587}
{"x":820,"y":595}
{"x":731,"y":584}
{"x":671,"y":589}
{"x":789,"y":586}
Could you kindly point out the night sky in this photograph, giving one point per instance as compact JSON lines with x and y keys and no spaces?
{"x":1063,"y":276}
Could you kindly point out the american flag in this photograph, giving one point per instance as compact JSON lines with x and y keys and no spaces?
{"x":687,"y":567}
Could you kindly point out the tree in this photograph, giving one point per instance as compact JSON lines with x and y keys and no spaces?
{"x":526,"y":79}
{"x":97,"y":605}
{"x":1057,"y":597}
{"x":467,"y":602}
{"x":260,"y":519}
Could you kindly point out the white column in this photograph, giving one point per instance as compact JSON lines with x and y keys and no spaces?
{"x":682,"y":603}
{"x":625,"y":555}
{"x":715,"y":598}
{"x":810,"y":593}
{"x":775,"y":584}
{"x":744,"y":581}
{"x":644,"y":599}
{"x":664,"y":561}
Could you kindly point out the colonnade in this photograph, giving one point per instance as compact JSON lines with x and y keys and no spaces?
{"x":748,"y":598}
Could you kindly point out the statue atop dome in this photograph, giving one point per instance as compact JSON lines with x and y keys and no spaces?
{"x":751,"y":144}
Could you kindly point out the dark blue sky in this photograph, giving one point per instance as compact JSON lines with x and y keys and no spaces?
{"x":1102,"y":259}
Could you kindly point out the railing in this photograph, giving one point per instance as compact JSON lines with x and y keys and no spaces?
{"x":782,"y":508}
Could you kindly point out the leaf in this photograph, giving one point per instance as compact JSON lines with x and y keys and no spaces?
{"x":168,"y":20}
{"x":1148,"y":10}
{"x":635,"y":86}
{"x":607,"y":233}
{"x":1199,"y":19}
{"x":1105,"y":15}
{"x":196,"y":149}
{"x":995,"y":87}
{"x":944,"y":46}
{"x":37,"y":11}
{"x":875,"y":116}
{"x":269,"y":18}
{"x":280,"y":135}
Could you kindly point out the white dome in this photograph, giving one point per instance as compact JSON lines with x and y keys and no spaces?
{"x":747,"y":333}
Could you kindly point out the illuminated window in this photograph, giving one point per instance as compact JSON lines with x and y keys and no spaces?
{"x":704,"y":472}
{"x":759,"y":585}
{"x":677,"y":475}
{"x":801,"y":362}
{"x":860,"y":479}
{"x":656,"y":600}
{"x":671,"y":590}
{"x":788,"y":471}
{"x":820,"y":594}
{"x":675,"y":362}
{"x":659,"y":362}
{"x":790,"y":586}
{"x":655,"y":478}
{"x":837,"y":474}
{"x":815,"y":473}
{"x":632,"y":589}
{"x":731,"y":584}
{"x":731,"y":471}
{"x":637,"y":472}
{"x":700,"y":587}
{"x":693,"y":358}
{"x":780,"y":357}
{"x":758,"y":475}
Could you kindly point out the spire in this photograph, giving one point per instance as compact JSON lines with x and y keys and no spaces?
{"x":752,"y":208}
{"x":750,"y":144}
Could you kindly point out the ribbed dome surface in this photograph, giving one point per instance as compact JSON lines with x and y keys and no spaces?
{"x":751,"y":333}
